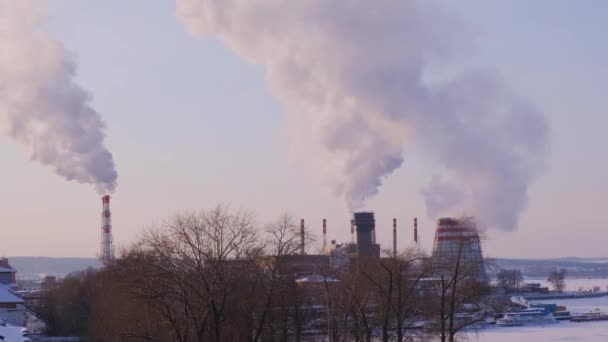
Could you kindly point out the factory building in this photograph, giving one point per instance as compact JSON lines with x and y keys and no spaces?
{"x":458,"y":238}
{"x":303,"y":265}
{"x":340,"y":255}
{"x":362,"y":247}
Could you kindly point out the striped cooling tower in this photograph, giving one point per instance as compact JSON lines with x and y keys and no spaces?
{"x":454,"y":237}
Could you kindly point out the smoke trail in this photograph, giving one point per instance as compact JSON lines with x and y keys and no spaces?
{"x":357,"y":68}
{"x":41,"y":106}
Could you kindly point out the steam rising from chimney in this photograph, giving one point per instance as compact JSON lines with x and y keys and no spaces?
{"x":357,"y":69}
{"x":41,"y":106}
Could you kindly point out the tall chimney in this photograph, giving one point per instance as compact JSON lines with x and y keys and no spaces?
{"x":395,"y":237}
{"x":416,"y":230}
{"x":366,"y":225}
{"x":107,"y":247}
{"x":302,"y":244}
{"x":352,"y":231}
{"x":324,"y":235}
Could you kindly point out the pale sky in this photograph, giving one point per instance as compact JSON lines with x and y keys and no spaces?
{"x":191,"y":125}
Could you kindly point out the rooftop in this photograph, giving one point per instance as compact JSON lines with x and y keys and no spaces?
{"x":9,"y":296}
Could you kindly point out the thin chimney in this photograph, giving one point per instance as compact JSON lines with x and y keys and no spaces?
{"x":416,"y":230}
{"x":324,"y":235}
{"x":302,"y":243}
{"x":107,"y":246}
{"x":395,"y":237}
{"x":352,"y":231}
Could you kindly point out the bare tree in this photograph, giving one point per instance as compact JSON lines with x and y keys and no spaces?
{"x":282,"y":239}
{"x":394,"y":281}
{"x":509,"y":279}
{"x":207,"y":276}
{"x":194,"y":264}
{"x":461,"y":287}
{"x":557,"y":278}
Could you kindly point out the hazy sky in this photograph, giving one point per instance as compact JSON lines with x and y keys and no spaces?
{"x":192,"y":125}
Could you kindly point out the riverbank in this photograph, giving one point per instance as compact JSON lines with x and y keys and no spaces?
{"x":565,"y":295}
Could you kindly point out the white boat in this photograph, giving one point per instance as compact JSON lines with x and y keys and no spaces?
{"x":525,"y":317}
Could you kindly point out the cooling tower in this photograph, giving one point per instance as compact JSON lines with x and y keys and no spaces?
{"x":454,"y":238}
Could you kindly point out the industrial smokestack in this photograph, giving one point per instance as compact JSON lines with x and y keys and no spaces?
{"x":302,"y":243}
{"x":365,"y":226}
{"x":324,"y":235}
{"x":416,"y":230}
{"x":394,"y":237}
{"x":107,"y":246}
{"x":352,"y":231}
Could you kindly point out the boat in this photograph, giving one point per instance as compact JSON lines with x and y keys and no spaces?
{"x":525,"y":317}
{"x":562,"y":315}
{"x":592,"y":316}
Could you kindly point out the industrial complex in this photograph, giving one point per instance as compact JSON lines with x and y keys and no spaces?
{"x":455,"y":238}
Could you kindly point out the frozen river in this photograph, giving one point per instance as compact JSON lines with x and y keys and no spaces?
{"x":575,"y":284}
{"x":563,"y":331}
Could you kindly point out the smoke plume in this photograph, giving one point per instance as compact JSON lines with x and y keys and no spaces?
{"x":42,"y":107}
{"x":357,"y":69}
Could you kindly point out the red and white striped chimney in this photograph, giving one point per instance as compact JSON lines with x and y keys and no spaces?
{"x":107,"y":246}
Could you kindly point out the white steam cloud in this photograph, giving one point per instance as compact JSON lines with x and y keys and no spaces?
{"x":42,"y":107}
{"x":357,"y":69}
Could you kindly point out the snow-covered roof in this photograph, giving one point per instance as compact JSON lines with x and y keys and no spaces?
{"x":13,"y":333}
{"x":9,"y":296}
{"x":316,"y":278}
{"x":4,"y":269}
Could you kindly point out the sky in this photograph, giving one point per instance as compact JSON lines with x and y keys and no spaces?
{"x":192,"y":125}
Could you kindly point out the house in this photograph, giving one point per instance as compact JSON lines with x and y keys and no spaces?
{"x":7,"y":274}
{"x":12,"y":307}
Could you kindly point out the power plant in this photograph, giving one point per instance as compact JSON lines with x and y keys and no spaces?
{"x":107,"y":246}
{"x":455,"y":238}
{"x":458,"y":240}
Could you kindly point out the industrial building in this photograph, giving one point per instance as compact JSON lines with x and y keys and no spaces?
{"x":457,"y":240}
{"x":336,"y":256}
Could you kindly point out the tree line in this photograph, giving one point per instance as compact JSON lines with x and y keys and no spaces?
{"x":216,"y":276}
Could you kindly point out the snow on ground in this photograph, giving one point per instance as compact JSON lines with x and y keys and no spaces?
{"x":564,"y":331}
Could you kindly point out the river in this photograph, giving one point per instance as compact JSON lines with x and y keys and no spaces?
{"x":563,"y":331}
